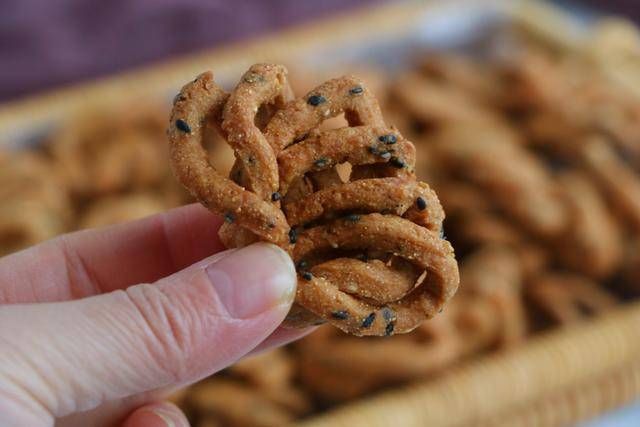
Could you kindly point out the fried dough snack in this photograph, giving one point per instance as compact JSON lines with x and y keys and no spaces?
{"x":491,"y":158}
{"x":592,"y":244}
{"x":119,"y":209}
{"x":273,"y":373}
{"x":565,"y":298}
{"x":260,"y":388}
{"x":33,"y":204}
{"x":232,"y":403}
{"x":362,"y":245}
{"x":616,"y":178}
{"x":107,"y":153}
{"x":433,"y":104}
{"x":575,"y":99}
{"x":374,"y":362}
{"x":494,"y":275}
{"x":487,"y":313}
{"x":24,"y":223}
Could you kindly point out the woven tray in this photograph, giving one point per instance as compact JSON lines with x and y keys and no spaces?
{"x":555,"y":379}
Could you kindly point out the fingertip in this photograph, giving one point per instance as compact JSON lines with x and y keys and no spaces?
{"x":158,"y":414}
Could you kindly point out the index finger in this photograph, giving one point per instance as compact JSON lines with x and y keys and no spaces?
{"x":91,"y":262}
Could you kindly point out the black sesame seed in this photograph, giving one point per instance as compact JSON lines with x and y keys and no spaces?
{"x":316,"y":100}
{"x":368,"y":321}
{"x":361,"y":257}
{"x":356,"y":90}
{"x":183,"y":126}
{"x":340,"y":314}
{"x":302,"y":264}
{"x":253,"y":78}
{"x":421,"y":203}
{"x":179,"y":97}
{"x":271,"y":225}
{"x":373,"y":150}
{"x":388,"y":315}
{"x":321,"y":162}
{"x":293,"y":235}
{"x":353,"y":218}
{"x":385,"y":155}
{"x":275,"y":196}
{"x":228,"y":217}
{"x":307,"y":275}
{"x":388,"y":139}
{"x":251,"y":159}
{"x":389,"y":329}
{"x":398,"y":163}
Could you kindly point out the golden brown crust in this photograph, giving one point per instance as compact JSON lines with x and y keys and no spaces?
{"x":290,"y":160}
{"x":198,"y":102}
{"x":388,"y":234}
{"x":592,"y":244}
{"x":119,"y":209}
{"x":565,"y":298}
{"x":617,"y":180}
{"x":516,"y":181}
{"x":99,"y":154}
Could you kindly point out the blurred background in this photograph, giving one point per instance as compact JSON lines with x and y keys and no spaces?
{"x":526,"y":119}
{"x":45,"y":44}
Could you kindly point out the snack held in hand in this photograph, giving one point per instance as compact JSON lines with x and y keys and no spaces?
{"x":365,"y":235}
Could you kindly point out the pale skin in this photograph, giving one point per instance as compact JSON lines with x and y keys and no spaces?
{"x":98,"y":327}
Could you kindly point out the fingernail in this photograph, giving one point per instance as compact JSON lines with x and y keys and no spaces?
{"x":253,"y":279}
{"x":164,"y":415}
{"x":158,"y":415}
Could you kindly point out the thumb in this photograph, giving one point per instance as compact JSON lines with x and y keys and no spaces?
{"x":59,"y":358}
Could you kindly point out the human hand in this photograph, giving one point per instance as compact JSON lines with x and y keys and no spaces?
{"x":97,"y":323}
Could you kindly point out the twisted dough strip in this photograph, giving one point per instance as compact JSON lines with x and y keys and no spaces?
{"x":375,"y":362}
{"x":615,"y":178}
{"x":493,"y":159}
{"x":359,"y":296}
{"x":486,"y":313}
{"x":592,"y":244}
{"x":565,"y":298}
{"x":406,"y":271}
{"x":198,"y":102}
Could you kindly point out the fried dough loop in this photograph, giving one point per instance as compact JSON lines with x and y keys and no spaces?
{"x":345,"y":203}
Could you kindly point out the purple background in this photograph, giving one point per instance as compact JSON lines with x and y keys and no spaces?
{"x":45,"y":43}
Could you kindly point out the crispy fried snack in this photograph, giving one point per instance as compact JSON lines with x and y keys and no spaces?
{"x":592,"y":244}
{"x":374,"y":362}
{"x":566,"y":97}
{"x":232,"y":403}
{"x":494,"y":275}
{"x":616,"y":178}
{"x":33,"y":202}
{"x":565,"y":298}
{"x":366,"y":241}
{"x":492,"y":159}
{"x":118,"y":209}
{"x":24,"y":223}
{"x":273,"y":374}
{"x":104,"y":153}
{"x":487,"y":313}
{"x":433,"y":104}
